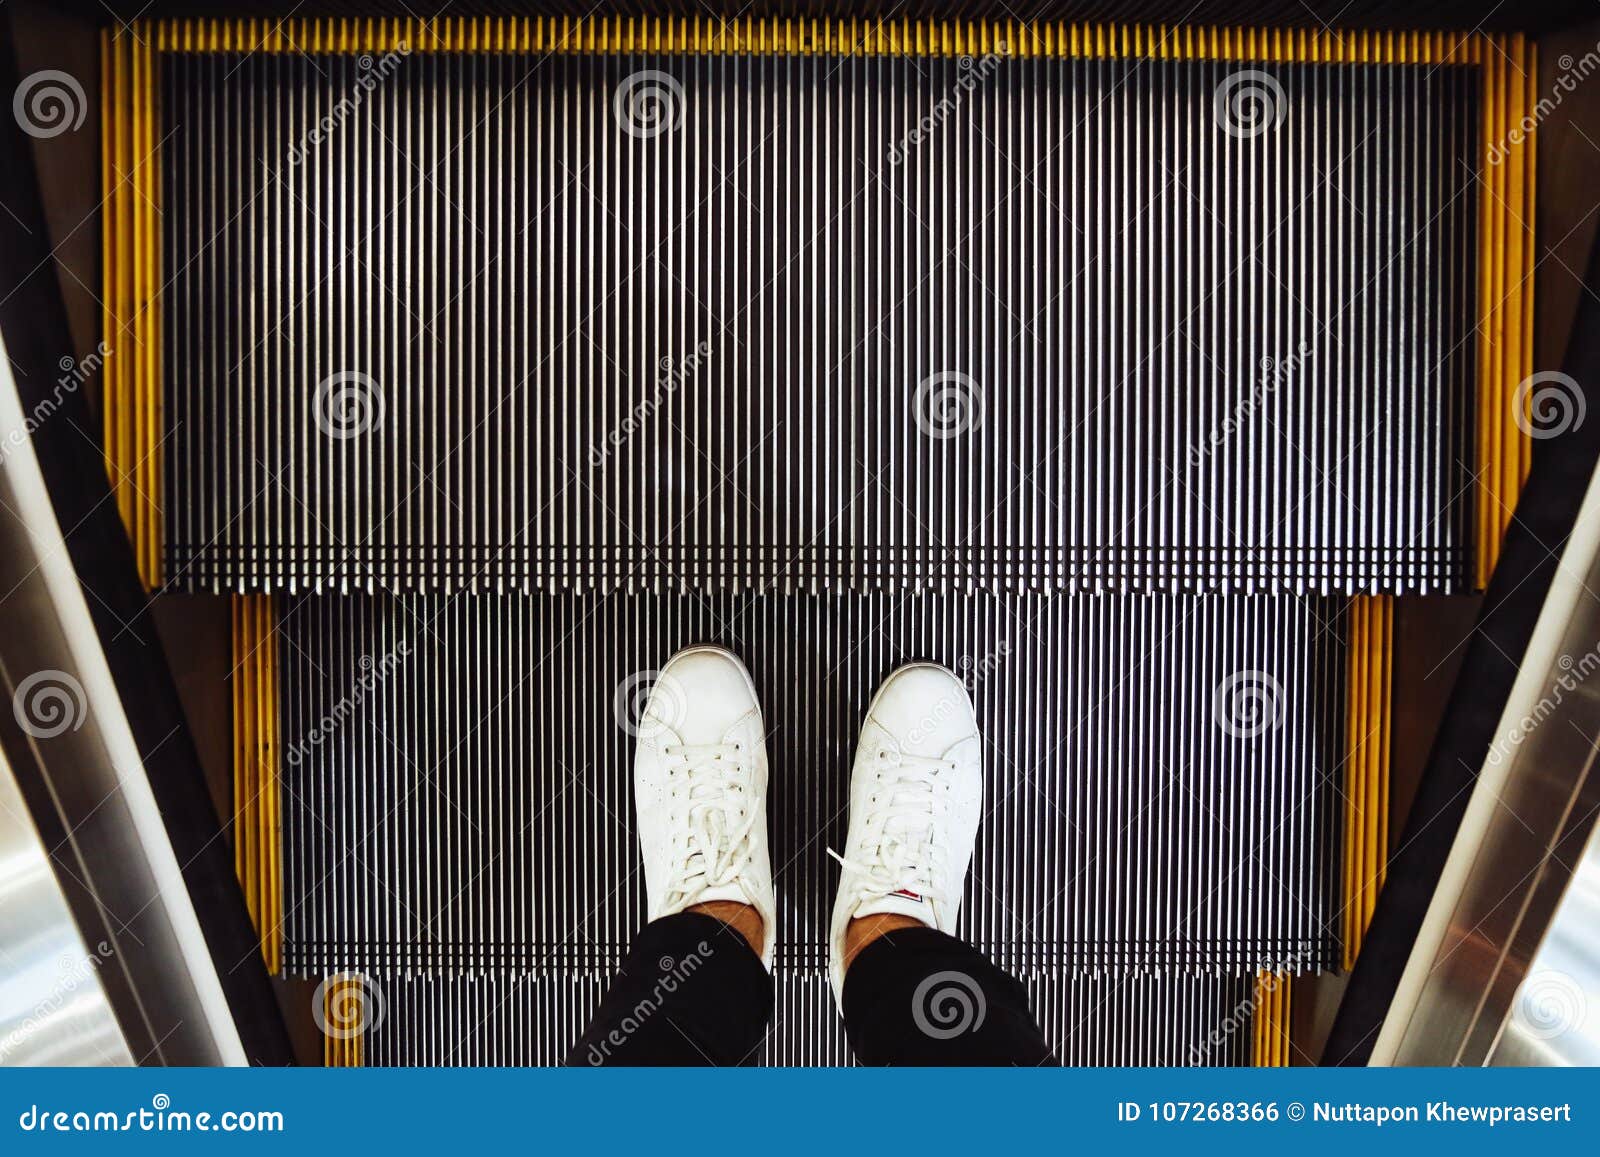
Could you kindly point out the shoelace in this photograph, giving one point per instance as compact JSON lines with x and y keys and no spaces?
{"x":716,"y":839}
{"x":900,"y":853}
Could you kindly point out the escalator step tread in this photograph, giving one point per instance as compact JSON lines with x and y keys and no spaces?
{"x":732,"y":322}
{"x":1102,"y":1020}
{"x":1161,"y":774}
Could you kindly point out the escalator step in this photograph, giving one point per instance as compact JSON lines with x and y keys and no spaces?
{"x":534,"y":1020}
{"x":1162,"y":773}
{"x":497,"y":320}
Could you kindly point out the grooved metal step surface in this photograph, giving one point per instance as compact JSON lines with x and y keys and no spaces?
{"x":490,"y":320}
{"x":534,"y":1020}
{"x":1161,"y":774}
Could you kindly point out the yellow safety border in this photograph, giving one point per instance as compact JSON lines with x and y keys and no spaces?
{"x":344,"y":1047}
{"x":1270,"y":1027}
{"x":130,"y":254}
{"x":1505,"y":292}
{"x":132,"y":274}
{"x":1369,"y":691}
{"x":257,"y":793}
{"x":790,"y":36}
{"x":1368,"y":735}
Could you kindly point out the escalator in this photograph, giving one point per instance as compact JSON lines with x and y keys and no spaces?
{"x":1152,"y":376}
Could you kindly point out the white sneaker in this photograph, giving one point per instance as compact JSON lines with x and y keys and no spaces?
{"x":916,"y":797}
{"x":700,"y":789}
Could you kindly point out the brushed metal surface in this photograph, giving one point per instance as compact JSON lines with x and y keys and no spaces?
{"x":67,"y":739}
{"x":1518,"y":851}
{"x":53,"y":1008}
{"x":1555,"y":1015}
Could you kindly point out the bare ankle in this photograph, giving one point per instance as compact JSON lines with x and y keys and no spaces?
{"x":742,"y":918}
{"x":865,"y":929}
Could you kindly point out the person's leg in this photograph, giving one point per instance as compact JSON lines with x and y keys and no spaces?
{"x":696,"y":987}
{"x":916,"y":996}
{"x":911,"y":992}
{"x":691,"y":992}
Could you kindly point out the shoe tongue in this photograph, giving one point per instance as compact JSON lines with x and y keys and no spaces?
{"x":710,"y":892}
{"x":716,"y":819}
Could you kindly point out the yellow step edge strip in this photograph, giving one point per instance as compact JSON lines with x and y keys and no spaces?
{"x":790,"y":36}
{"x":344,"y":1021}
{"x":1270,"y":1024}
{"x":1368,"y":735}
{"x":132,"y":275}
{"x":130,"y":174}
{"x":257,"y":794}
{"x":1505,"y":291}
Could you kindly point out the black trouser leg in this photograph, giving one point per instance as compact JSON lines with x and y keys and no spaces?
{"x":918,"y":997}
{"x":691,"y":992}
